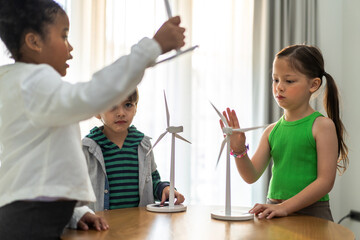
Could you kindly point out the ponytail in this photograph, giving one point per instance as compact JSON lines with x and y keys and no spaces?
{"x":331,"y":105}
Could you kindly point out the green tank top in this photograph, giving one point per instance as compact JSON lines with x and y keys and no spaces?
{"x":293,"y":150}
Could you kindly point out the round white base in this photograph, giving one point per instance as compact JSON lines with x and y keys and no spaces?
{"x":236,"y":215}
{"x":166,"y":208}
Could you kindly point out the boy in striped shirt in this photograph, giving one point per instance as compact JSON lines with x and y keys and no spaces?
{"x":121,"y":174}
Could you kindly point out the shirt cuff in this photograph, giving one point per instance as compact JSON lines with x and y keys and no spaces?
{"x":153,"y":49}
{"x":79,"y":212}
{"x":160,"y":189}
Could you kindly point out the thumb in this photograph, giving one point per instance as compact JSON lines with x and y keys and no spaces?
{"x":175,"y":20}
{"x":163,"y":199}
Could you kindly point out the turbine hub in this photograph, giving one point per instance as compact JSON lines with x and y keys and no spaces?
{"x":173,"y":129}
{"x":227,"y":130}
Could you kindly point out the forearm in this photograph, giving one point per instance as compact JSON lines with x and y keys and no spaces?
{"x":309,"y":195}
{"x":247,"y":170}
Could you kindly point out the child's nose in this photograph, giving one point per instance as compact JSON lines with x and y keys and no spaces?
{"x":120,"y":112}
{"x":280,"y":86}
{"x":70,"y":47}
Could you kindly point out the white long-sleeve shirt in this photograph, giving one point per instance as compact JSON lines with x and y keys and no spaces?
{"x":39,"y":131}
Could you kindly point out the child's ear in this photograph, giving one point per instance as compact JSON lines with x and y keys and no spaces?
{"x":33,"y":41}
{"x":315,"y":85}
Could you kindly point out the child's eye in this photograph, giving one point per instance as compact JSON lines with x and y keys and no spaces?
{"x":275,"y":80}
{"x":290,"y":81}
{"x":129,"y":105}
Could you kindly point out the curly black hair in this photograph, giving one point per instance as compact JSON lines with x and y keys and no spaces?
{"x":18,"y":17}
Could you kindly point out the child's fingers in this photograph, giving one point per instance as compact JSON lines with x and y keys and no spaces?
{"x":163,"y":199}
{"x":271,"y":215}
{"x":82,"y":225}
{"x":179,"y":198}
{"x":264,"y":213}
{"x":229,"y":115}
{"x":170,"y":35}
{"x":97,"y":224}
{"x":226,"y":117}
{"x":257,"y":208}
{"x":234,"y":119}
{"x":104,"y":224}
{"x":221,"y":123}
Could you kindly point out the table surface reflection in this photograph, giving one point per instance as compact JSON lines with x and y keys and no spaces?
{"x":196,"y":223}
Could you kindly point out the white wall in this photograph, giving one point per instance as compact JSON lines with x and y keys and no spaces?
{"x":339,"y":40}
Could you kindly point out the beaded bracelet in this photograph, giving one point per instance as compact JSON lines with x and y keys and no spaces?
{"x":241,"y":154}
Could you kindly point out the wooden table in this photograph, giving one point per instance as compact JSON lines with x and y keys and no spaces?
{"x":196,"y":223}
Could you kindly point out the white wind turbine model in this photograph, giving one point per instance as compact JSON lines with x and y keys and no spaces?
{"x":178,"y":51}
{"x":229,"y":214}
{"x":171,"y":207}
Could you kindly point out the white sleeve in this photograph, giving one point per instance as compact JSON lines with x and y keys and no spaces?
{"x":79,"y":212}
{"x":50,"y":101}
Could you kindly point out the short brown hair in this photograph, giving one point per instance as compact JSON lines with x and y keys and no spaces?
{"x":134,"y":97}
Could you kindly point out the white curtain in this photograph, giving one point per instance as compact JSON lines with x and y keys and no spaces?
{"x":222,"y":75}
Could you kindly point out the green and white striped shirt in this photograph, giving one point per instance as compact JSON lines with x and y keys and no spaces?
{"x":122,"y":168}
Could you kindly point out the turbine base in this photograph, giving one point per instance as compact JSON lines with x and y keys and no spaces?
{"x":166,"y":208}
{"x":236,"y":215}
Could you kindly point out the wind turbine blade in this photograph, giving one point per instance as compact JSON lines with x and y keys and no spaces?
{"x":158,"y":140}
{"x":180,"y":137}
{"x":168,"y":9}
{"x":167,"y":111}
{"x":248,"y":129}
{"x":220,"y":115}
{"x":221,"y":149}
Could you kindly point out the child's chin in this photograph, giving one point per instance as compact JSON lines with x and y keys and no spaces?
{"x":62,"y":73}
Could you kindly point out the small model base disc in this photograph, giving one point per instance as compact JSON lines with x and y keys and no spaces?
{"x":166,"y":208}
{"x":236,"y":215}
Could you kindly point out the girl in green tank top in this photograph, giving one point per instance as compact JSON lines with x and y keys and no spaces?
{"x":306,"y":147}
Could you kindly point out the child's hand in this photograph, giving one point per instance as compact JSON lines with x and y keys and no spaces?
{"x":91,"y":220}
{"x":170,"y":35}
{"x":269,"y":211}
{"x":165,"y":195}
{"x":237,"y":139}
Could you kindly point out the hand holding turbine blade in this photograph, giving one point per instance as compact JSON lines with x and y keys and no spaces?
{"x":229,"y":131}
{"x":178,"y":51}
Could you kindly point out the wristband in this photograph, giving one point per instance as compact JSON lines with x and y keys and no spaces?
{"x":241,"y":154}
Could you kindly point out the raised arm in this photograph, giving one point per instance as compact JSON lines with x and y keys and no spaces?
{"x":49,"y":101}
{"x":249,"y":169}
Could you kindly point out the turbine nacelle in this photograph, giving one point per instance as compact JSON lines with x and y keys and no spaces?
{"x":173,"y":129}
{"x":227,"y":130}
